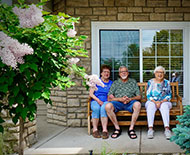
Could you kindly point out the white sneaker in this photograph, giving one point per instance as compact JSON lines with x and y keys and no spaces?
{"x":150,"y":134}
{"x":167,"y":134}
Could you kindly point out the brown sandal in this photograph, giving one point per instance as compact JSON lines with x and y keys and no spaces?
{"x":105,"y":135}
{"x":96,"y":134}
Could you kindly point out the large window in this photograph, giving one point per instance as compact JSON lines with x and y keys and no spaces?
{"x":141,"y":47}
{"x":159,"y":47}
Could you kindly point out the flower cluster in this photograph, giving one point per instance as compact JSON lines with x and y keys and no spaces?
{"x":72,"y":61}
{"x":29,"y":17}
{"x":93,"y":80}
{"x":72,"y":32}
{"x":11,"y":51}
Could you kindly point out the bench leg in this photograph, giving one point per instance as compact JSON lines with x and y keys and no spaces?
{"x":89,"y":125}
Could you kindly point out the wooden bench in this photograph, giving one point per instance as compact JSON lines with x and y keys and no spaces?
{"x":177,"y":109}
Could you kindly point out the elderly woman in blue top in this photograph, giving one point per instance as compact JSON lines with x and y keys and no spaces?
{"x":98,"y":103}
{"x":158,"y":96}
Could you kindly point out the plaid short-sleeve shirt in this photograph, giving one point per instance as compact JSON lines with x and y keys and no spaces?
{"x":120,"y":89}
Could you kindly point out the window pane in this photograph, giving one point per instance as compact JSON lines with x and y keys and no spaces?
{"x":164,"y":62}
{"x":148,"y":46}
{"x":176,"y":35}
{"x":120,"y":48}
{"x":134,"y":75}
{"x":148,"y":63}
{"x":176,"y":49}
{"x":148,"y":75}
{"x":162,"y":36}
{"x":162,"y":50}
{"x":177,"y":63}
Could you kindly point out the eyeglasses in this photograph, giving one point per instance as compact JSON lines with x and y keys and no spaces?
{"x":160,"y":72}
{"x":123,"y":72}
{"x":106,"y":71}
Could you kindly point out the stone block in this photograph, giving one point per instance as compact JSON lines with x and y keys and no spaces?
{"x":187,"y":16}
{"x":124,"y":2}
{"x":57,"y":99}
{"x":134,"y":9}
{"x":81,"y":88}
{"x":60,"y":123}
{"x":49,"y":115}
{"x":61,"y":5}
{"x":60,"y":93}
{"x":87,"y":45}
{"x":157,"y":16}
{"x":108,"y":2}
{"x":85,"y":22}
{"x":74,"y":122}
{"x":148,"y":10}
{"x":85,"y":92}
{"x":71,"y":96}
{"x":111,"y":11}
{"x":61,"y":111}
{"x":32,"y":130}
{"x":140,"y":2}
{"x":56,"y":1}
{"x":174,"y":2}
{"x":174,"y":16}
{"x":141,"y":17}
{"x":99,"y":11}
{"x":96,"y":2}
{"x":83,"y":96}
{"x":73,"y":115}
{"x":77,"y":3}
{"x":74,"y":92}
{"x":122,"y":9}
{"x":81,"y":115}
{"x":125,"y":16}
{"x":73,"y":102}
{"x":50,"y":111}
{"x":14,"y":129}
{"x":83,"y":11}
{"x":157,"y":3}
{"x":85,"y":33}
{"x":84,"y":123}
{"x":32,"y":139}
{"x":185,"y":3}
{"x":182,"y":9}
{"x":84,"y":104}
{"x":77,"y":110}
{"x":162,"y":10}
{"x":92,"y":18}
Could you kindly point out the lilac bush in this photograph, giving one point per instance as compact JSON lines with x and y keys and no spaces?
{"x":38,"y":51}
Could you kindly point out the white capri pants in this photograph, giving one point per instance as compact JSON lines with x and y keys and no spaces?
{"x":164,"y":110}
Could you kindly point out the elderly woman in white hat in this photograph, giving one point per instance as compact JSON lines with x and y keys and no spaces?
{"x":158,"y":97}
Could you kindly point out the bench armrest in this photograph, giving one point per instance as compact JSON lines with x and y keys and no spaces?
{"x":88,"y":108}
{"x":179,"y":102}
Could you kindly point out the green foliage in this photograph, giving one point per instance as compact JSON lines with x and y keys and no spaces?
{"x":182,"y":130}
{"x":48,"y":67}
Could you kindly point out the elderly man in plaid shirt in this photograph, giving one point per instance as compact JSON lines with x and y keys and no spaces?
{"x":123,"y":95}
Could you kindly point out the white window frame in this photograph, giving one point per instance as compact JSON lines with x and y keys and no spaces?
{"x":95,"y":53}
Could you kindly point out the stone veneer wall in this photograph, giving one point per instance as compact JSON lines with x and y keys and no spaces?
{"x":70,"y":106}
{"x":9,"y":140}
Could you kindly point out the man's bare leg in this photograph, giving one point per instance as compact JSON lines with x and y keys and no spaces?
{"x":136,"y":110}
{"x":111,"y":114}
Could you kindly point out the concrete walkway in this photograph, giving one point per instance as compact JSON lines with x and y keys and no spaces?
{"x":55,"y":139}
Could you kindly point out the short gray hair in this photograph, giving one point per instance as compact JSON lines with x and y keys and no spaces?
{"x":122,"y":67}
{"x":159,"y":68}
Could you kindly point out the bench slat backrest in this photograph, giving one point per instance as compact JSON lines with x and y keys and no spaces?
{"x":174,"y":89}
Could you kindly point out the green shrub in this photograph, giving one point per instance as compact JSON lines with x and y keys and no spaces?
{"x":182,"y":130}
